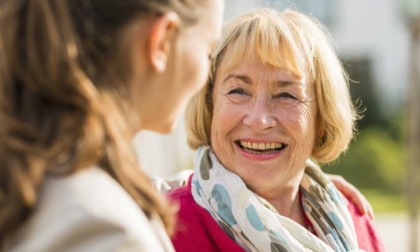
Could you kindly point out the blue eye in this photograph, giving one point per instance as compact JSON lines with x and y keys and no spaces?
{"x":286,"y":95}
{"x":239,"y":91}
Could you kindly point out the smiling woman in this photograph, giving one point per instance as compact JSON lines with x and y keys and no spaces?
{"x":262,"y":111}
{"x":276,"y":105}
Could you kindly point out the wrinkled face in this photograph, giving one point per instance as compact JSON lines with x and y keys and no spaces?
{"x":263,"y":126}
{"x":187,"y":71}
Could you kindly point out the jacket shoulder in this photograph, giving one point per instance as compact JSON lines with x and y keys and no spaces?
{"x":86,"y":211}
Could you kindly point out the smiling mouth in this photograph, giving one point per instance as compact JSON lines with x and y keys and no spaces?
{"x":261,"y":148}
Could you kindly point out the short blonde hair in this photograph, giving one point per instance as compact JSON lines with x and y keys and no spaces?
{"x":290,"y":40}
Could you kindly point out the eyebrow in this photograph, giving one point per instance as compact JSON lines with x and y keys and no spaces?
{"x":242,"y":78}
{"x":247,"y":80}
{"x":287,"y":83}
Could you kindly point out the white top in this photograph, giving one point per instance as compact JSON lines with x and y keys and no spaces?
{"x":88,"y":211}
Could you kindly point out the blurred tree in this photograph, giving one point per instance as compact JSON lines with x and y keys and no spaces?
{"x":364,"y":93}
{"x":376,"y":158}
{"x":374,"y":161}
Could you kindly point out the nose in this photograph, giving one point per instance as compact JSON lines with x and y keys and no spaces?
{"x":260,"y":116}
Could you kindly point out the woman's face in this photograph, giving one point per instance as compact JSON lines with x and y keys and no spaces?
{"x":186,"y":73}
{"x":263,"y":126}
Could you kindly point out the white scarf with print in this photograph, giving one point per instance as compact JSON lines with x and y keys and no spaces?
{"x":254,"y":223}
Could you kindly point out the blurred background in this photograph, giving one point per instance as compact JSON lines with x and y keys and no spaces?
{"x":378,"y":42}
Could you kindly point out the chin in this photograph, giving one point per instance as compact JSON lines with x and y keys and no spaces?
{"x":166,"y":131}
{"x":162,"y":125}
{"x":166,"y":128}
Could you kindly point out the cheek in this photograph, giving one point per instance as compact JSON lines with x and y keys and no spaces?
{"x":307,"y":120}
{"x":304,"y":129}
{"x":299,"y":122}
{"x":203,"y":72}
{"x":225,"y":117}
{"x":225,"y":121}
{"x":217,"y":126}
{"x":197,"y":66}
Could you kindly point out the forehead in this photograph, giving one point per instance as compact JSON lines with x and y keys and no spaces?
{"x":249,"y":71}
{"x":277,"y":39}
{"x":279,"y":59}
{"x":253,"y":69}
{"x":257,"y":74}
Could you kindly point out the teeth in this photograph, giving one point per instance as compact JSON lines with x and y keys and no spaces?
{"x":254,"y":146}
{"x":261,"y":146}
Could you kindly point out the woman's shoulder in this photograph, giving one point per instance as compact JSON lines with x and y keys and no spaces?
{"x":182,"y":195}
{"x":87,"y":210}
{"x":189,"y":212}
{"x":367,"y":236}
{"x":195,"y":227}
{"x":92,"y":191}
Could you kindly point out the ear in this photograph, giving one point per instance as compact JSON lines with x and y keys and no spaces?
{"x":160,"y":42}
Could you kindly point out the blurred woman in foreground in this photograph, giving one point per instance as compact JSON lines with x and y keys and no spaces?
{"x":78,"y":78}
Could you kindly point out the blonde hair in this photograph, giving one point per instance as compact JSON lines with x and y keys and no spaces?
{"x":63,"y":97}
{"x":293,"y":41}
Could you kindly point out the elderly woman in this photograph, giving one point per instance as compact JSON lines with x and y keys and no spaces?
{"x":277,"y":104}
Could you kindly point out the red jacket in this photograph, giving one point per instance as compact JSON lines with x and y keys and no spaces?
{"x":197,"y":231}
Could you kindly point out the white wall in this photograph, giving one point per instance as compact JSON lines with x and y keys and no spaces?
{"x":164,"y":155}
{"x":376,"y":29}
{"x":235,"y":7}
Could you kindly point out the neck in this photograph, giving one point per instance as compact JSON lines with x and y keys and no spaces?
{"x":286,"y":200}
{"x":288,"y":204}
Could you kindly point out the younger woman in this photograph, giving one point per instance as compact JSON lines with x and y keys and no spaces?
{"x":78,"y":78}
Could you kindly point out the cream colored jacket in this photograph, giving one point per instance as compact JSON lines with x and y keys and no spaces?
{"x":88,"y":211}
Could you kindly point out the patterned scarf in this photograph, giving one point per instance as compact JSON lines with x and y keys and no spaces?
{"x":254,"y":223}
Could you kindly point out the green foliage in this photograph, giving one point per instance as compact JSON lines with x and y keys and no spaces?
{"x":375,"y":161}
{"x":385,"y":202}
